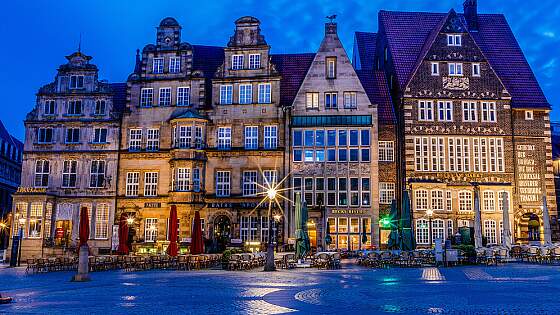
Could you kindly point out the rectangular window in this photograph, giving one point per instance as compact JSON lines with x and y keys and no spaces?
{"x":488,"y":111}
{"x":226,"y":94}
{"x":135,"y":140}
{"x":448,"y":201}
{"x":435,"y":68}
{"x":175,"y":64}
{"x":342,"y":225}
{"x":73,"y":135}
{"x":224,"y":138}
{"x":437,"y":200}
{"x":489,"y":201}
{"x":270,"y":137}
{"x":309,"y":138}
{"x":165,"y":96}
{"x":425,"y":111}
{"x":185,"y":137}
{"x":150,"y":230}
{"x":270,"y":178}
{"x":222,"y":183}
{"x":331,"y":100}
{"x":42,"y":170}
{"x":183,"y":179}
{"x":490,"y":231}
{"x":386,"y":151}
{"x":455,"y":69}
{"x":312,"y":100}
{"x":528,"y":115}
{"x":45,"y":135}
{"x":74,"y":107}
{"x":150,"y":184}
{"x":146,"y":97}
{"x":330,"y":70}
{"x":470,"y":112}
{"x":69,"y":173}
{"x":97,"y":174}
{"x":445,"y":111}
{"x":35,"y":220}
{"x":386,"y":193}
{"x":237,"y":62}
{"x":196,"y":179}
{"x":132,"y":183}
{"x":254,"y":61}
{"x":264,"y":93}
{"x":421,"y":153}
{"x":183,"y":96}
{"x":50,"y":107}
{"x":100,"y":135}
{"x":157,"y":66}
{"x":100,"y":107}
{"x":102,"y":221}
{"x":476,"y":69}
{"x":453,"y":39}
{"x":245,"y":94}
{"x":421,"y":199}
{"x":249,"y":183}
{"x":342,"y":192}
{"x":350,"y":100}
{"x":365,"y":192}
{"x":342,"y":138}
{"x":152,"y":143}
{"x":251,"y":137}
{"x":76,"y":82}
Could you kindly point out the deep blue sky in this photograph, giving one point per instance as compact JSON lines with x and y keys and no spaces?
{"x":36,"y":35}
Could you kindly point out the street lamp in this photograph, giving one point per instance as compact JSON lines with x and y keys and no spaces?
{"x":277,"y":218}
{"x":429,"y":213}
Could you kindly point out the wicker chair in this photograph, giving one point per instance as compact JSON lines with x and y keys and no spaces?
{"x":290,"y":261}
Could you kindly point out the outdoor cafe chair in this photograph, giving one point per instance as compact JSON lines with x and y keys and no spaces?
{"x":290,"y":261}
{"x":182,"y":262}
{"x":516,"y":252}
{"x":372,"y":260}
{"x":247,"y":261}
{"x":544,"y":255}
{"x":336,"y":260}
{"x":532,"y":254}
{"x":555,"y":254}
{"x":31,"y":265}
{"x":501,"y":255}
{"x":234,"y":262}
{"x":386,"y":259}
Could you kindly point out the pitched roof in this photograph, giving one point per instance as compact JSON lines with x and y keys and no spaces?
{"x":407,"y":33}
{"x":187,"y":114}
{"x":292,"y":68}
{"x":365,"y":43}
{"x":377,"y":89}
{"x":207,"y":59}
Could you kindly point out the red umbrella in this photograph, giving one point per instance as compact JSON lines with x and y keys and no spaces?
{"x":123,"y":236}
{"x":197,"y":244}
{"x":172,"y":249}
{"x":84,"y":227}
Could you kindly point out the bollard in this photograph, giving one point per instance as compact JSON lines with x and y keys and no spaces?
{"x":83,"y":265}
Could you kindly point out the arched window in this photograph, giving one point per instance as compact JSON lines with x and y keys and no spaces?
{"x":422,"y":231}
{"x":42,"y":169}
{"x":490,"y":231}
{"x":465,"y":201}
{"x":421,"y":199}
{"x":438,"y":229}
{"x":489,"y":201}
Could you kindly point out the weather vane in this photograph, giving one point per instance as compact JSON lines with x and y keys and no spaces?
{"x":331,"y":17}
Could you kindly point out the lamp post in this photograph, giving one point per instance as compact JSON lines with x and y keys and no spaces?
{"x":21,"y":222}
{"x":429,"y":213}
{"x":270,"y":266}
{"x":277,"y":218}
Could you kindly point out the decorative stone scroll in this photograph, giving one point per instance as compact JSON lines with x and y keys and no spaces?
{"x":455,"y":83}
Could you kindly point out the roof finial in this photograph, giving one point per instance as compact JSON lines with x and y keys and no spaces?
{"x":331,"y":18}
{"x":80,"y":43}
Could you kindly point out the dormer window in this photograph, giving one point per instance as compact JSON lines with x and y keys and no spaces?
{"x":453,"y":40}
{"x":330,"y":67}
{"x":174,"y":65}
{"x":435,"y":68}
{"x":100,"y":107}
{"x":237,"y":62}
{"x":157,"y":66}
{"x":529,"y":115}
{"x":76,"y":81}
{"x":476,"y":69}
{"x":254,"y":61}
{"x":455,"y":69}
{"x":50,"y":107}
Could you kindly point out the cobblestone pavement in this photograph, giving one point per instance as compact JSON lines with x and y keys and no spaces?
{"x":512,"y":289}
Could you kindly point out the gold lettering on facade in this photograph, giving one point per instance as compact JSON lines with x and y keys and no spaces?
{"x":528,"y":178}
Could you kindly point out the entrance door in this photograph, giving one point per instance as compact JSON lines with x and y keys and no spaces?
{"x":222,"y":232}
{"x":312,"y":232}
{"x":529,"y":228}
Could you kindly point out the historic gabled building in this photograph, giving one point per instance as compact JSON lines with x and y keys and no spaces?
{"x":70,"y":161}
{"x":333,"y":149}
{"x":472,"y":120}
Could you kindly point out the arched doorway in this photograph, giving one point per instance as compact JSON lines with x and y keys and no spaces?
{"x":529,"y":228}
{"x":222,"y":232}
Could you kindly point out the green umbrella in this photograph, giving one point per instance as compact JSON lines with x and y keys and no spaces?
{"x":364,"y":232}
{"x":328,"y":238}
{"x":302,"y":239}
{"x":393,"y":242}
{"x":407,"y":239}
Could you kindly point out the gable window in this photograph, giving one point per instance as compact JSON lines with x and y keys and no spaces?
{"x":146,"y":97}
{"x":330,"y":63}
{"x":469,"y":112}
{"x":73,"y":135}
{"x":152,"y":143}
{"x":222,"y":183}
{"x":175,"y":64}
{"x":224,"y":138}
{"x":42,"y":170}
{"x":74,"y":107}
{"x":97,"y":174}
{"x":249,"y":183}
{"x":488,"y":111}
{"x":476,"y":69}
{"x":157,"y":66}
{"x":251,"y":137}
{"x":165,"y":96}
{"x":76,"y":81}
{"x":386,"y":153}
{"x":455,"y":69}
{"x":528,"y":115}
{"x":445,"y":110}
{"x":237,"y":62}
{"x":350,"y":100}
{"x":100,"y":107}
{"x":331,"y":100}
{"x":264,"y":93}
{"x":45,"y":135}
{"x":226,"y":94}
{"x":135,"y":140}
{"x":270,"y":137}
{"x":435,"y":68}
{"x":132,"y":183}
{"x":150,"y":184}
{"x":69,"y":173}
{"x":254,"y":61}
{"x":50,"y":107}
{"x":453,"y":40}
{"x":312,"y":100}
{"x":425,"y":111}
{"x":245,"y":94}
{"x":100,"y":135}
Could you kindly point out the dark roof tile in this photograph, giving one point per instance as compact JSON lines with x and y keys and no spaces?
{"x":377,"y":89}
{"x":292,"y":68}
{"x":366,"y":44}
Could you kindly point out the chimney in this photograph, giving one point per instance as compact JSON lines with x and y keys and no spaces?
{"x":330,"y":28}
{"x":138,"y":64}
{"x":471,"y":15}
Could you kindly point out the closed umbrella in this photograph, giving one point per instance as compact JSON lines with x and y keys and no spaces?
{"x":407,"y":239}
{"x":123,"y":236}
{"x":173,"y":249}
{"x":546,"y":224}
{"x":302,"y":239}
{"x":84,"y":227}
{"x":364,"y":232}
{"x":477,"y":220}
{"x":393,"y":242}
{"x":506,"y":235}
{"x":197,"y":243}
{"x":83,"y":249}
{"x":328,"y":238}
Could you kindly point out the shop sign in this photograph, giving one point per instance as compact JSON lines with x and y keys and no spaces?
{"x":152,"y":204}
{"x":59,"y":232}
{"x":348,"y":211}
{"x":236,"y":241}
{"x":31,"y":190}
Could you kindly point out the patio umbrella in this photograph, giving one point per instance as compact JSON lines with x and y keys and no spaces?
{"x":328,"y":238}
{"x":172,"y":249}
{"x":393,"y":241}
{"x":546,"y":223}
{"x":364,"y":232}
{"x":123,"y":236}
{"x":506,"y":235}
{"x":477,"y":220}
{"x":407,"y":239}
{"x":302,"y":239}
{"x":197,"y":244}
{"x":84,"y":227}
